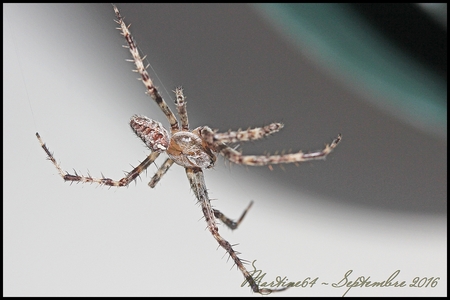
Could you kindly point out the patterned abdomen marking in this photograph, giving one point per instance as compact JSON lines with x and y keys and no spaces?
{"x":151,"y":132}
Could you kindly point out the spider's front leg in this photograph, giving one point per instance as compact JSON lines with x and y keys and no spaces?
{"x":251,"y":134}
{"x":218,"y":142}
{"x":268,"y":160}
{"x":102,"y":181}
{"x":182,"y":112}
{"x":181,"y":108}
{"x":152,"y":91}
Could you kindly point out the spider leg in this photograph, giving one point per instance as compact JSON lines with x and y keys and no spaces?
{"x":251,"y":134}
{"x":264,"y":160}
{"x":141,"y":69}
{"x":230,"y":223}
{"x":102,"y":181}
{"x":181,"y":108}
{"x":161,"y":171}
{"x":197,"y":182}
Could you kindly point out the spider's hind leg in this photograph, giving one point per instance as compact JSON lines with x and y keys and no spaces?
{"x":198,"y":186}
{"x":230,"y":223}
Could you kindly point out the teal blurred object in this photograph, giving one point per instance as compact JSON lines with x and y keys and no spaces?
{"x":338,"y":39}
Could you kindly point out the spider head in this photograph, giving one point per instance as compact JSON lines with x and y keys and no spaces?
{"x":151,"y":132}
{"x":188,"y":150}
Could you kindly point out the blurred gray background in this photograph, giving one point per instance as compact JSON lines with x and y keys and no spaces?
{"x":376,"y":205}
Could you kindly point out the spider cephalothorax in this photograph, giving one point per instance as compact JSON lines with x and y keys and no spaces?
{"x":194,"y":150}
{"x":188,"y":150}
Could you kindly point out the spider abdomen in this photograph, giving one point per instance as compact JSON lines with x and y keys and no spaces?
{"x":187,"y":150}
{"x":151,"y":132}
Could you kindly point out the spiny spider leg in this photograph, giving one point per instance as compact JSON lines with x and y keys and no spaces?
{"x":230,"y":223}
{"x":181,"y":108}
{"x":197,"y":182}
{"x":141,"y":69}
{"x":182,"y":112}
{"x":264,"y":160}
{"x":161,"y":171}
{"x":251,"y":134}
{"x":102,"y":181}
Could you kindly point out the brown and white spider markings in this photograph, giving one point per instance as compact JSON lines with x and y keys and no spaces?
{"x":194,"y":150}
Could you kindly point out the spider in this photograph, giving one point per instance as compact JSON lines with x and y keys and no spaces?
{"x":195,"y":150}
